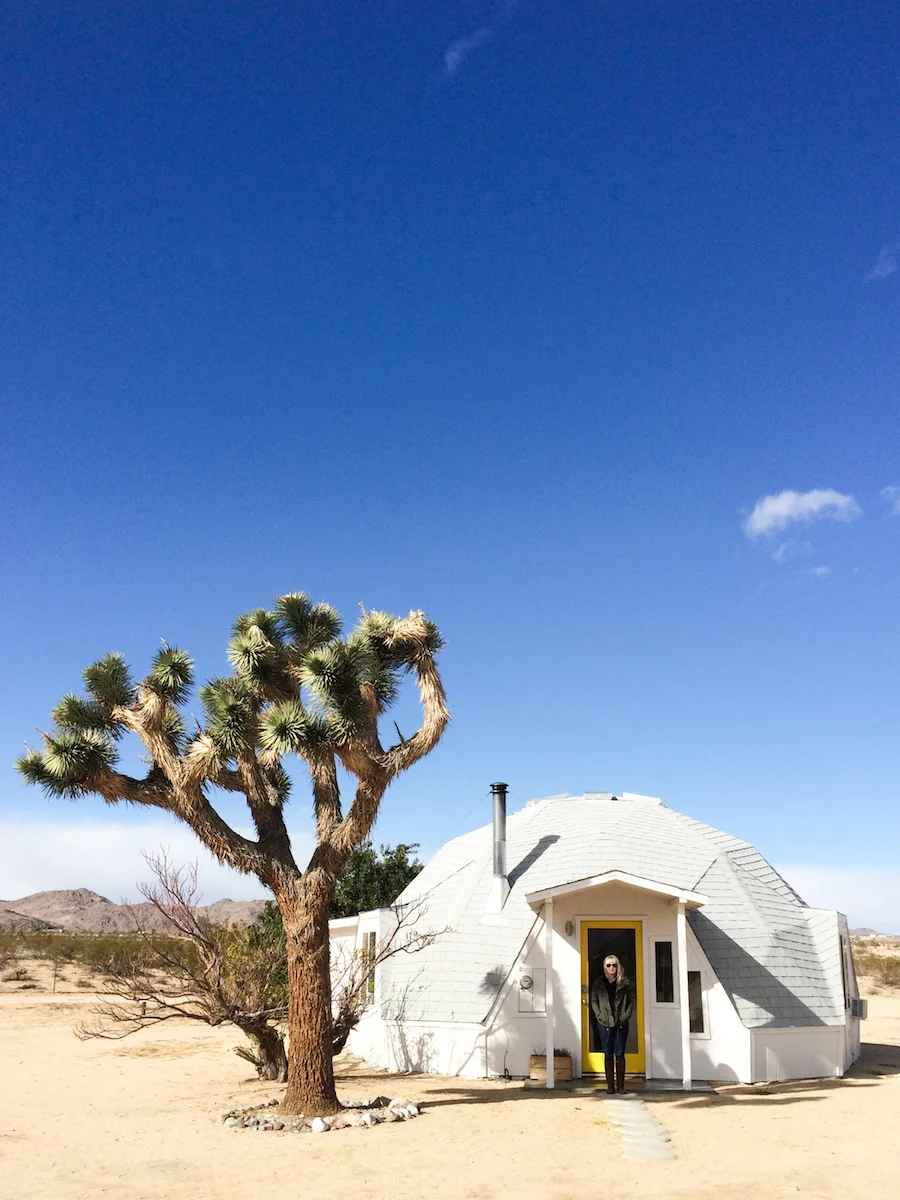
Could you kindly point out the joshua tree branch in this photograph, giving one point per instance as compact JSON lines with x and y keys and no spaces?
{"x":436,"y":716}
{"x":326,"y":796}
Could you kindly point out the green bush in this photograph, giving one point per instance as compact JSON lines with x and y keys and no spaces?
{"x":883,"y":968}
{"x":97,"y":953}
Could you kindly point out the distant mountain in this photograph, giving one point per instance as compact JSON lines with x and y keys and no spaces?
{"x":83,"y":911}
{"x":13,"y":922}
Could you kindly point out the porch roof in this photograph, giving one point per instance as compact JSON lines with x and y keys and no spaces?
{"x":690,"y":898}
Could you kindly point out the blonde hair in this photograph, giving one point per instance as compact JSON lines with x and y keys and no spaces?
{"x":620,"y":974}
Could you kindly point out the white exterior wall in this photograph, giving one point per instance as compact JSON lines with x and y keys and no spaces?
{"x":726,"y":1051}
{"x":804,"y":1052}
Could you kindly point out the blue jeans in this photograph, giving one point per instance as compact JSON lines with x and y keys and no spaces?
{"x":612,"y":1041}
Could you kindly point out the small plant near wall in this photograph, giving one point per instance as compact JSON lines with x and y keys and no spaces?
{"x":562,"y":1064}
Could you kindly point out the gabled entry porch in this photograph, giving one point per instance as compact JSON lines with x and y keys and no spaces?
{"x":644,"y":923}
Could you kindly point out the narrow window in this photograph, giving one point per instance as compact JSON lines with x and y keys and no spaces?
{"x":370,"y":958}
{"x":665,"y":974}
{"x":695,"y":1002}
{"x":844,"y":974}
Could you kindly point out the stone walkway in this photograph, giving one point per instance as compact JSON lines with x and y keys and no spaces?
{"x":643,"y":1138}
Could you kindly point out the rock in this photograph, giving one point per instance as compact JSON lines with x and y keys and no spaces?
{"x":352,"y":1119}
{"x":319,"y":1125}
{"x":272,"y":1103}
{"x":338,"y":1122}
{"x":380,"y":1102}
{"x":369,"y":1119}
{"x":232,"y":1121}
{"x":278,"y":1124}
{"x":392,"y":1115}
{"x":399,"y":1102}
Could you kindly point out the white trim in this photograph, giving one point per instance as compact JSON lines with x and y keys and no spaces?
{"x":343,"y":925}
{"x":694,"y":899}
{"x":681,"y":928}
{"x":548,"y":992}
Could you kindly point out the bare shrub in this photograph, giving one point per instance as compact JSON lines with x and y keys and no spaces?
{"x":235,"y":975}
{"x":18,"y":975}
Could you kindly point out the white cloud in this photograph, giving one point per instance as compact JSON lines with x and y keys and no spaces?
{"x":773,"y":513}
{"x":820,"y":572}
{"x":106,"y":857}
{"x":457,"y":53}
{"x":892,"y":495}
{"x":887,"y":262}
{"x":869,"y":898}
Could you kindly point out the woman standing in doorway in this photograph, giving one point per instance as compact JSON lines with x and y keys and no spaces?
{"x":612,"y":1003}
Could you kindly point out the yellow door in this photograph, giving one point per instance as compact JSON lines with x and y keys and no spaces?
{"x":599,"y":939}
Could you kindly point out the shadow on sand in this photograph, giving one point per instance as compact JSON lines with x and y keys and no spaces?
{"x":876,"y":1060}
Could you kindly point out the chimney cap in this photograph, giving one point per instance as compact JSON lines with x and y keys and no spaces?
{"x":499,"y":787}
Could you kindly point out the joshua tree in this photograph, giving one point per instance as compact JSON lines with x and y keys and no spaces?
{"x":298,"y":688}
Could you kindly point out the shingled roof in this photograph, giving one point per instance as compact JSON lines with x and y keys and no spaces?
{"x":769,"y":950}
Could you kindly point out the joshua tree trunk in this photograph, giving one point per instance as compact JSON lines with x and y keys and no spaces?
{"x":310,"y":1080}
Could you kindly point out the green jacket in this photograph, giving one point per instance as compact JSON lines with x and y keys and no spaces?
{"x":623,"y":1004}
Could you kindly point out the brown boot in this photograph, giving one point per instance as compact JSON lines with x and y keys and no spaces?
{"x":620,"y":1077}
{"x":610,"y":1076}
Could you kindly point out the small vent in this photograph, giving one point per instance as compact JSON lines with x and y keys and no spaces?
{"x":859,"y":1008}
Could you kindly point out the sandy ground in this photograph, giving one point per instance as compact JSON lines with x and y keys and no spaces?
{"x":141,"y":1120}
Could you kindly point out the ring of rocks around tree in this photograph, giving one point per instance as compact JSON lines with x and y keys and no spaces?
{"x":358,"y":1114}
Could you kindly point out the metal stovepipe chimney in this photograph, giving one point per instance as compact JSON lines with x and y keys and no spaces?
{"x":499,"y":883}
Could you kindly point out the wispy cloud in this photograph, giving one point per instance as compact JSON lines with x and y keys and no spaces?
{"x":887,"y":262}
{"x":892,"y":495}
{"x":820,"y":572}
{"x":774,"y":513}
{"x":457,"y":52}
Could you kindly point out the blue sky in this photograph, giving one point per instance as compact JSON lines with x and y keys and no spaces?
{"x":517,"y":313}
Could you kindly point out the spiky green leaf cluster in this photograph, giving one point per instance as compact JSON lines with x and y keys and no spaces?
{"x":171,"y":674}
{"x":231,"y":715}
{"x":333,"y":676}
{"x":69,"y":761}
{"x":308,"y":626}
{"x":290,"y":728}
{"x":76,"y":714}
{"x":260,"y":660}
{"x":109,"y":681}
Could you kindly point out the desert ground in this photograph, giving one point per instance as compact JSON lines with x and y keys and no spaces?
{"x":141,"y":1119}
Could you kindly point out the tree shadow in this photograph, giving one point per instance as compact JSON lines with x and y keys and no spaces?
{"x":877,"y":1058}
{"x":876,"y":1061}
{"x":541,"y":846}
